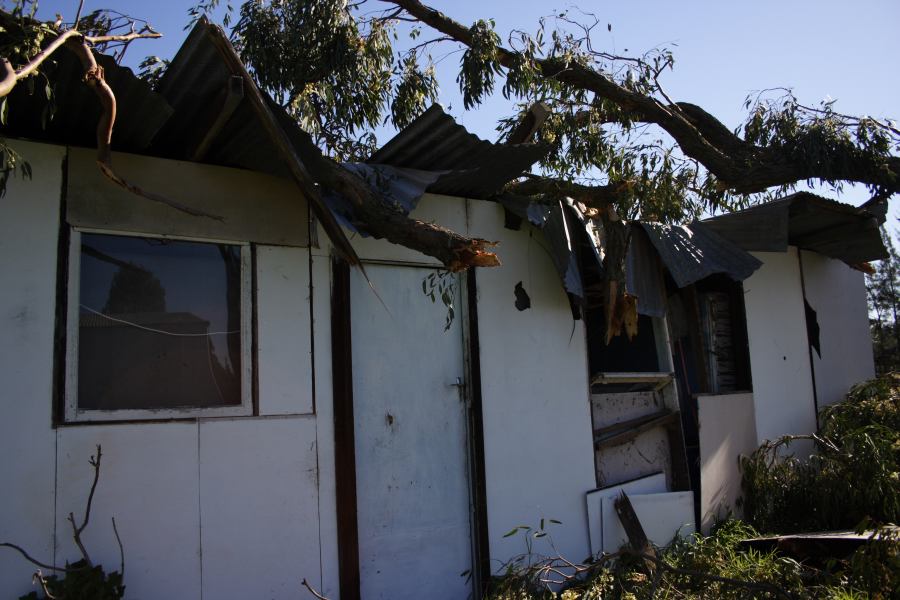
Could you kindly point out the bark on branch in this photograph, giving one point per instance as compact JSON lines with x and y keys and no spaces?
{"x":592,"y":196}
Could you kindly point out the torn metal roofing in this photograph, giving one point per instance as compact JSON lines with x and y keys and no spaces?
{"x":140,"y":110}
{"x":566,"y":230}
{"x":475,"y":168}
{"x":807,"y":221}
{"x":207,"y":110}
{"x":694,"y":252}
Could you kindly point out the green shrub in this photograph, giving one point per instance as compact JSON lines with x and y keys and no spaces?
{"x":854,"y":474}
{"x":81,"y":582}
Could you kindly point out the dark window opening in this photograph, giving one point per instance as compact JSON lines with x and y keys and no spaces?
{"x":621,"y":355}
{"x":159,"y":324}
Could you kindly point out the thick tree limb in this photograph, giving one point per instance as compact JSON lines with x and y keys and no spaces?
{"x":592,"y":196}
{"x":455,"y":251}
{"x":737,"y":164}
{"x":310,"y":169}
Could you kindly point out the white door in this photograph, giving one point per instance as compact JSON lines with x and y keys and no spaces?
{"x":410,"y":429}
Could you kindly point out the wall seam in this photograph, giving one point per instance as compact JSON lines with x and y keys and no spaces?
{"x":199,"y":511}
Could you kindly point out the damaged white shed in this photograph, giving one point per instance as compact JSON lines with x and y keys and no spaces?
{"x":270,"y":414}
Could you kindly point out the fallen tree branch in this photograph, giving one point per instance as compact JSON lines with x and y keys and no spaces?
{"x":738,"y":165}
{"x":33,"y":560}
{"x":77,"y":529}
{"x":121,"y":549}
{"x":312,"y":591}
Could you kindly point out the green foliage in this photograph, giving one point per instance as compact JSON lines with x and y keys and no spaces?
{"x":82,"y":583}
{"x":415,"y":89}
{"x":11,"y":162}
{"x":854,"y":475}
{"x":875,"y":567}
{"x":152,"y":69}
{"x":822,"y":138}
{"x":334,"y":69}
{"x":883,"y":294}
{"x":442,"y":284}
{"x":480,"y":64}
{"x":700,"y":567}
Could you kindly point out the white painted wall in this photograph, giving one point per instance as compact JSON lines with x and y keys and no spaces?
{"x":148,"y":482}
{"x":29,"y":221}
{"x":536,"y":406}
{"x":838,"y":295}
{"x":537,"y":419}
{"x":245,"y":507}
{"x":779,"y":351}
{"x":226,"y":507}
{"x":259,"y":512}
{"x":284,"y":331}
{"x":321,"y":325}
{"x":727,"y":430}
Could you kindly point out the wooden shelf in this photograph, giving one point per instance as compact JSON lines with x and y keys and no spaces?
{"x":653,"y":381}
{"x":621,"y":433}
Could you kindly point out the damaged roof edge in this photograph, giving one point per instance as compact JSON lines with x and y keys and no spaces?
{"x":474,"y":168}
{"x":279,"y":137}
{"x":811,"y":222}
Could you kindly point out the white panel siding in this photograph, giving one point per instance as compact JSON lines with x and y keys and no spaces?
{"x":259,"y":507}
{"x":838,"y":295}
{"x":412,"y":483}
{"x":284,"y":332}
{"x":29,"y":222}
{"x":779,"y":351}
{"x":148,"y":482}
{"x":321,"y":277}
{"x":538,"y":440}
{"x":726,"y":431}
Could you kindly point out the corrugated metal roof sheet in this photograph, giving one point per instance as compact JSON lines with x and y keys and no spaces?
{"x":140,"y":111}
{"x":184,"y":115}
{"x":477,"y":168}
{"x":693,"y":252}
{"x":808,"y":221}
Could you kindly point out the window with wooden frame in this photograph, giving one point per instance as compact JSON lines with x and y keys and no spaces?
{"x":157,"y":327}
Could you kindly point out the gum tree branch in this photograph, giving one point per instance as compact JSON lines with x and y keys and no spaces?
{"x":738,"y":165}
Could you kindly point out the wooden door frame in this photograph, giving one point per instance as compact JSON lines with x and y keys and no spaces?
{"x":345,"y":442}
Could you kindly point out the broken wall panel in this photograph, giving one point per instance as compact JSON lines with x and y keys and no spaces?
{"x":651,"y":484}
{"x":663,"y":518}
{"x":779,"y":348}
{"x":637,"y":433}
{"x":727,"y":431}
{"x":534,"y":386}
{"x":838,"y":295}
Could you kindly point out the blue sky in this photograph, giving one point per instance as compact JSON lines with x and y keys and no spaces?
{"x":723,"y":50}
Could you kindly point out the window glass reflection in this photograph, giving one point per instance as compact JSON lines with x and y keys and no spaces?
{"x":159,"y":324}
